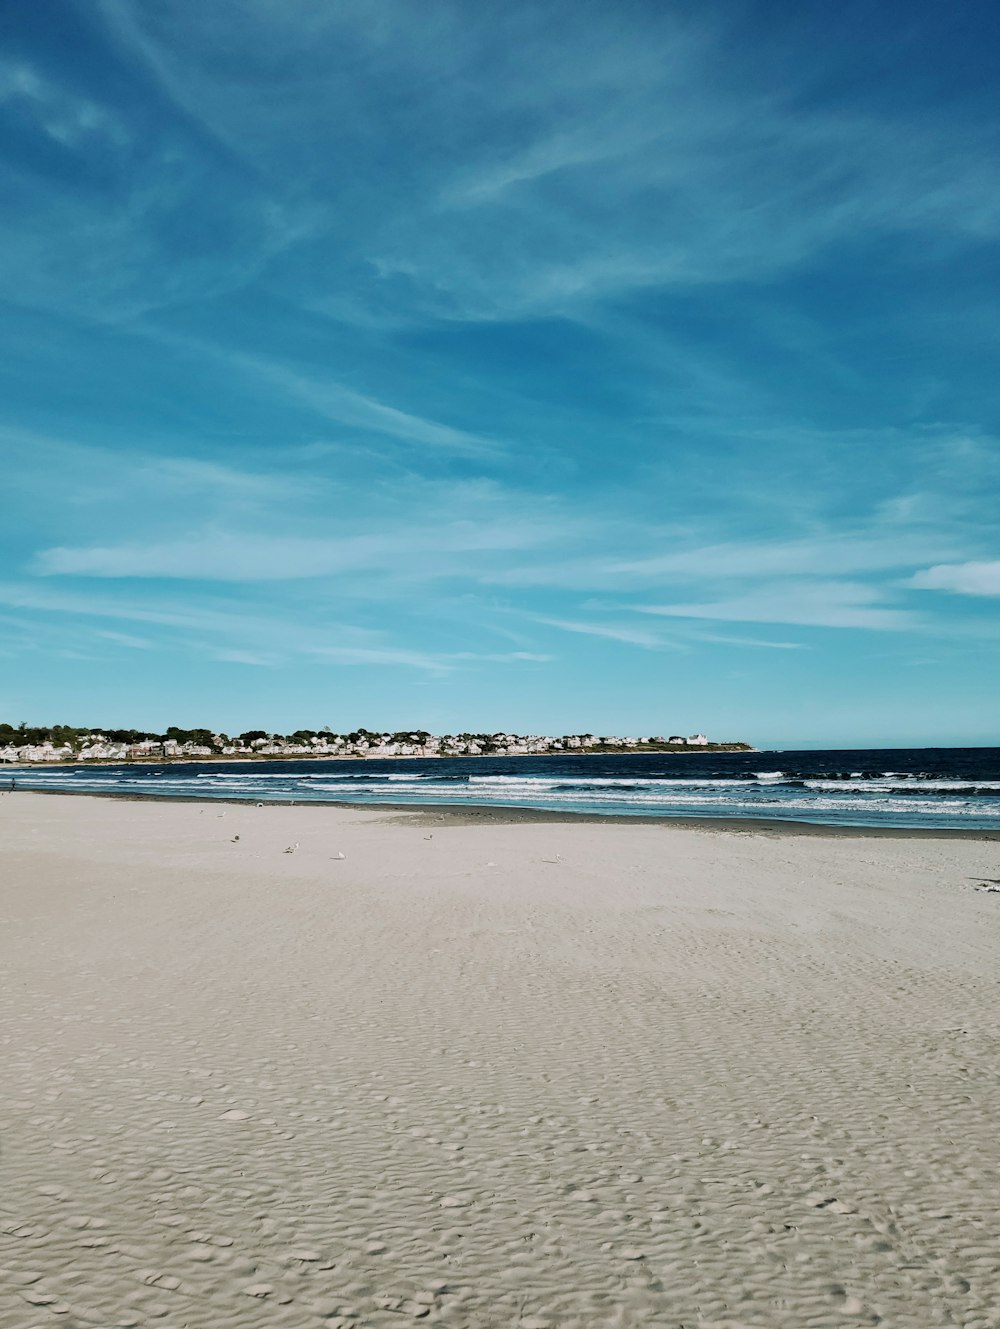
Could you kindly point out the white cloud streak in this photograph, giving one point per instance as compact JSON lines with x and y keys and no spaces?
{"x":125,"y":639}
{"x":224,"y":630}
{"x":63,"y":116}
{"x":343,"y":406}
{"x":631,"y":636}
{"x":594,"y":158}
{"x":823,"y":554}
{"x":975,"y":578}
{"x":808,"y":603}
{"x":425,"y":551}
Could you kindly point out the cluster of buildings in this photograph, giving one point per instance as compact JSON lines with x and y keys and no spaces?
{"x":95,"y":748}
{"x":98,"y":747}
{"x":450,"y":745}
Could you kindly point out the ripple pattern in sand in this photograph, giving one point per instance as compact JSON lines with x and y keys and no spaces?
{"x":604,"y":1081}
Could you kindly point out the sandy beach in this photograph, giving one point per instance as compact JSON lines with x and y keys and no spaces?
{"x":538,"y":1074}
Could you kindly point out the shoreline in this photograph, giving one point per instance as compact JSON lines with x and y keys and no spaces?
{"x":502,"y":815}
{"x":247,"y":758}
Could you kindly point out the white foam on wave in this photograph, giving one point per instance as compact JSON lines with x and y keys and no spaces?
{"x":537,"y":779}
{"x":883,"y":785}
{"x":891,"y":797}
{"x":633,"y":782}
{"x":362,"y":787}
{"x":259,"y":775}
{"x":685,"y":800}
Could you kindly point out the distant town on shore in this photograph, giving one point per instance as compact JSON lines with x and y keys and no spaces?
{"x":24,"y":743}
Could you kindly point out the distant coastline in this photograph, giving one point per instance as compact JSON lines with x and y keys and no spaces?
{"x":252,"y":758}
{"x":65,"y":745}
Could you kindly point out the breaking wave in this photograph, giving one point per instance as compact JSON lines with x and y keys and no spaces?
{"x":957,"y":787}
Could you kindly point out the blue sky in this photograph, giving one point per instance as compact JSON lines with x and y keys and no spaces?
{"x":546,"y":366}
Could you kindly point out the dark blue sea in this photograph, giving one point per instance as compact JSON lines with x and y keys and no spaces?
{"x":897,"y":787}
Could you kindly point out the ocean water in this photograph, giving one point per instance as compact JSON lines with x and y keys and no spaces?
{"x":897,"y":787}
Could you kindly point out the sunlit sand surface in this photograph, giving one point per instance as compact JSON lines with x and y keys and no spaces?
{"x":357,"y":1069}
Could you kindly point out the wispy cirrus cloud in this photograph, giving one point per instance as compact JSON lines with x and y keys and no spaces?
{"x":681,"y":637}
{"x":121,"y":211}
{"x":226,"y":631}
{"x":80,"y":475}
{"x":630,"y":635}
{"x":444,"y":543}
{"x":737,"y":188}
{"x":974,"y":578}
{"x":65,"y":117}
{"x":128,"y":639}
{"x":193,"y":519}
{"x":608,"y":157}
{"x":802,"y":601}
{"x":246,"y":557}
{"x":349,"y":337}
{"x":344,"y":406}
{"x":755,"y":643}
{"x":823,"y":554}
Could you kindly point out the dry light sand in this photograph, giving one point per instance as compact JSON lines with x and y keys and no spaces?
{"x":491,"y":1075}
